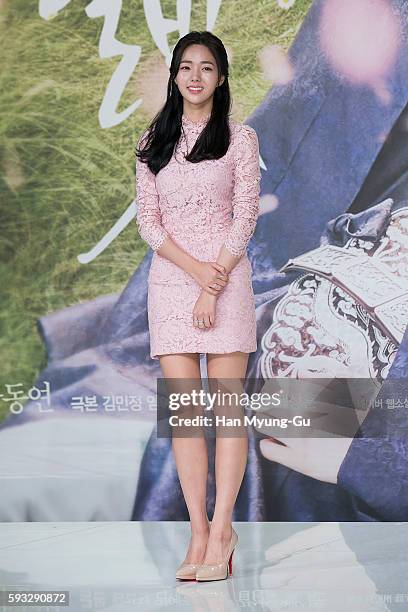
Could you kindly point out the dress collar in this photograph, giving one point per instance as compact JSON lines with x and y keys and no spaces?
{"x":189,"y":123}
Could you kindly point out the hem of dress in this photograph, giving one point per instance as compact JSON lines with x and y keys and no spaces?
{"x":157,"y":355}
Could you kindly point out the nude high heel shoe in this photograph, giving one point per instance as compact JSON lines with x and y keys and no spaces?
{"x":187,"y":571}
{"x":218,"y":571}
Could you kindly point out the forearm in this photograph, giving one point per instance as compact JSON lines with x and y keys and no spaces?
{"x":227,"y":259}
{"x":171,"y":251}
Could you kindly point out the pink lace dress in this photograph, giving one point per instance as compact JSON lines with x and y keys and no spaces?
{"x":193,"y":203}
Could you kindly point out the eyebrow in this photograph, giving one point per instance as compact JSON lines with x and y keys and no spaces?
{"x":190,"y":62}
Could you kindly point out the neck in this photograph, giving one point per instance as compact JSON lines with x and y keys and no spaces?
{"x":196,"y":116}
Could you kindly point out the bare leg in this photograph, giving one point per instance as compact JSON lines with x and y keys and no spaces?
{"x":230,"y":458}
{"x":190,"y":453}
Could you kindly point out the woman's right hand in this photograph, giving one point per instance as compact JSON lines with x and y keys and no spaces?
{"x":211,"y":276}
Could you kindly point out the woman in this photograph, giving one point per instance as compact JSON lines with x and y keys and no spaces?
{"x":194,"y":168}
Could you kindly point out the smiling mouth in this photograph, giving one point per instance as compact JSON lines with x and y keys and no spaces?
{"x":195,"y":88}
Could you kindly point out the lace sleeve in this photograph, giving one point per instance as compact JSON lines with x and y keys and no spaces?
{"x":148,"y":217}
{"x":245,"y":202}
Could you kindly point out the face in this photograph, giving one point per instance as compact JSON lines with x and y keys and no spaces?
{"x":198,"y":77}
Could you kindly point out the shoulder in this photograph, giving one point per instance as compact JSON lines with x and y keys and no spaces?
{"x":242,"y":131}
{"x":243,"y":137}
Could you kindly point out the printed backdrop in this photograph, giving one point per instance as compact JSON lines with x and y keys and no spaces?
{"x":325,"y":86}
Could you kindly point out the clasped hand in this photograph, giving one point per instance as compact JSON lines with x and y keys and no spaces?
{"x":212,"y":278}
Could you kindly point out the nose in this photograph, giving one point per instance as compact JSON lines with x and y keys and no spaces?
{"x":195,"y":74}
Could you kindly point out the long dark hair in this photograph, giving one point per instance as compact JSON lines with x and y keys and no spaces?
{"x":165,"y":128}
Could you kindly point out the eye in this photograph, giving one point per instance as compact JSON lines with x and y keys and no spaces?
{"x":208,"y":68}
{"x":183,"y":67}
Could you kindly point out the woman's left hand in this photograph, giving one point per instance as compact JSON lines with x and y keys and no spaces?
{"x":204,"y":310}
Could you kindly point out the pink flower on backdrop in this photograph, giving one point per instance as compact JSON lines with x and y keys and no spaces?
{"x":361,"y":41}
{"x":275,"y":64}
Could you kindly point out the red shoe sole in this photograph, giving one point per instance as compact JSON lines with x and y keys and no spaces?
{"x":230,"y":564}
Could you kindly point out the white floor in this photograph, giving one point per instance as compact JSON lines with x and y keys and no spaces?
{"x":117,"y":566}
{"x":72,"y":468}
